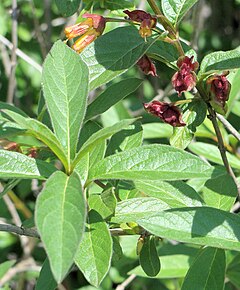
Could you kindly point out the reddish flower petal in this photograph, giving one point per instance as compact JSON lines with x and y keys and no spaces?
{"x":147,"y":66}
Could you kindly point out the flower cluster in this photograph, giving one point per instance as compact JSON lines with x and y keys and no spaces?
{"x":148,"y":22}
{"x":168,"y":113}
{"x":185,"y":79}
{"x":147,"y":66}
{"x":219,"y":88}
{"x":88,"y":31}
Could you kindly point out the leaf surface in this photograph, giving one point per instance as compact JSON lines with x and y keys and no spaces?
{"x":60,"y":217}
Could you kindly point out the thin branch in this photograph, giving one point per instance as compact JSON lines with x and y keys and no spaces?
{"x":221,"y":147}
{"x":100,"y":184}
{"x":117,"y":232}
{"x":12,"y":79}
{"x":23,"y":266}
{"x":21,"y":54}
{"x":19,"y":231}
{"x":126,"y":282}
{"x":228,"y":126}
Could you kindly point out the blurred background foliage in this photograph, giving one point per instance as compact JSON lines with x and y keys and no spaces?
{"x":211,"y":25}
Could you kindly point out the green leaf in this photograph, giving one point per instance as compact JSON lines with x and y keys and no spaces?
{"x":6,"y":106}
{"x":105,"y":62}
{"x":175,"y":10}
{"x":5,"y":266}
{"x":104,"y":204}
{"x":60,"y":217}
{"x":211,"y":152}
{"x":9,"y":186}
{"x":172,"y":266}
{"x":117,"y":250}
{"x":220,"y":61}
{"x":207,"y":271}
{"x":82,"y":169}
{"x":65,"y":88}
{"x":46,"y":279}
{"x":220,"y":192}
{"x":100,"y":136}
{"x":94,"y":254}
{"x":233,"y":271}
{"x":151,"y":162}
{"x":156,"y":130}
{"x":112,"y":95}
{"x":41,"y":132}
{"x":17,"y":165}
{"x":148,"y":258}
{"x":199,"y":225}
{"x":131,"y":210}
{"x":116,"y":4}
{"x":67,"y":8}
{"x":174,"y":193}
{"x":126,"y":139}
{"x":193,"y":116}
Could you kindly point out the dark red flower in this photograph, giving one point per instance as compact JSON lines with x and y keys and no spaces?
{"x":89,"y":30}
{"x":185,"y":79}
{"x":147,"y":66}
{"x":219,"y":89}
{"x":146,"y":19}
{"x":169,"y":113}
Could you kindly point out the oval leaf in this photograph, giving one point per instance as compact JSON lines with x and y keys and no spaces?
{"x":151,"y":162}
{"x":94,"y":254}
{"x":149,"y":259}
{"x":60,"y":217}
{"x":65,"y":88}
{"x":67,"y":8}
{"x":202,"y":226}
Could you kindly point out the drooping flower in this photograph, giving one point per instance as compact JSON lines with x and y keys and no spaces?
{"x":219,"y":89}
{"x":185,"y":78}
{"x":147,"y":66}
{"x":167,"y":112}
{"x":89,"y":30}
{"x":148,"y":22}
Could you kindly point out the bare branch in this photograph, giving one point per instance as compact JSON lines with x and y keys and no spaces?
{"x":228,"y":126}
{"x":21,"y":54}
{"x":12,"y":79}
{"x":126,"y":282}
{"x":19,"y":230}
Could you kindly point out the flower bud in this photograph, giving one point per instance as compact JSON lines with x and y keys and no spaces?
{"x":148,"y":22}
{"x":147,"y":66}
{"x":168,"y":113}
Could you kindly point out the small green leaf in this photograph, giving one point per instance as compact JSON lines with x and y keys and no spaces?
{"x":211,"y":152}
{"x":94,"y":254}
{"x":5,"y":266}
{"x":194,"y":114}
{"x":151,"y":162}
{"x":116,"y":4}
{"x":100,"y":136}
{"x":41,"y":132}
{"x":112,"y":95}
{"x":148,"y":258}
{"x":82,"y":169}
{"x":233,"y":271}
{"x":117,"y":250}
{"x":9,"y":186}
{"x":67,"y":8}
{"x":207,"y":272}
{"x":106,"y":61}
{"x":17,"y":165}
{"x":220,"y":192}
{"x":133,"y":209}
{"x":220,"y":61}
{"x":46,"y":279}
{"x":174,"y":10}
{"x":199,"y":225}
{"x":174,"y":193}
{"x":60,"y":217}
{"x":65,"y":88}
{"x":156,"y":130}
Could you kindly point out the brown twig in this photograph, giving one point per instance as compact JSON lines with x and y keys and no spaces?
{"x":12,"y":79}
{"x":100,"y":184}
{"x":19,"y":230}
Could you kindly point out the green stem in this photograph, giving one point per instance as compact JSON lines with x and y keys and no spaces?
{"x":182,"y":102}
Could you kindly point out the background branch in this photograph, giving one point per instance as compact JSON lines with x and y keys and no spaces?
{"x":228,"y":126}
